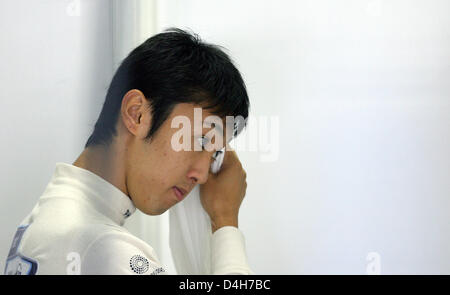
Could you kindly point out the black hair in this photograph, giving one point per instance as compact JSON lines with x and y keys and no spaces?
{"x":169,"y":68}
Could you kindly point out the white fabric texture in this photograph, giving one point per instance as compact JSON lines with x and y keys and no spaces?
{"x":191,"y":239}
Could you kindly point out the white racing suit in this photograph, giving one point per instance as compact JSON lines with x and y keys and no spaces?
{"x":77,"y":228}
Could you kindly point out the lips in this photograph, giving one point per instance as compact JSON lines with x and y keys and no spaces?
{"x":179,"y":192}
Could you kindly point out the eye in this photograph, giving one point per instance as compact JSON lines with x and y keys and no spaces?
{"x":203,"y":141}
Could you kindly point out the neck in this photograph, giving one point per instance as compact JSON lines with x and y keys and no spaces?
{"x":106,"y":162}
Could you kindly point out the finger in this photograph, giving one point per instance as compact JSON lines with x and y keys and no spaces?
{"x":212,"y":176}
{"x":229,"y":159}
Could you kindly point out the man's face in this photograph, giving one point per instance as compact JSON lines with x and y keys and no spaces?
{"x":154,"y":168}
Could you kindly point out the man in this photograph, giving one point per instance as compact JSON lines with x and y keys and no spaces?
{"x":129,"y":162}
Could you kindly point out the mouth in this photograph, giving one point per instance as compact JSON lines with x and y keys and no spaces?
{"x":179,"y":192}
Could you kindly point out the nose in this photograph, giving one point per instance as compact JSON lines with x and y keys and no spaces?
{"x":199,"y":171}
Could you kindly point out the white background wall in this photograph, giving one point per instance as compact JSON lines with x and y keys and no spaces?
{"x":361,"y":90}
{"x":56,"y":66}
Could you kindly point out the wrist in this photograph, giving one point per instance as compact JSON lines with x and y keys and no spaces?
{"x":218,"y":223}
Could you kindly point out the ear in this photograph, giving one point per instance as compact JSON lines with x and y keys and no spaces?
{"x":135,"y":113}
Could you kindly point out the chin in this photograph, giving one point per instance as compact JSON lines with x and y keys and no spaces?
{"x":153,"y":211}
{"x":153,"y":207}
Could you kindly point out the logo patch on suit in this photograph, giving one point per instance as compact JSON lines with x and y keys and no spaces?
{"x":139,"y":264}
{"x":17,"y":264}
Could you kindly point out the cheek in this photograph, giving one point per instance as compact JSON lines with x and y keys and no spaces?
{"x":174,"y":170}
{"x":164,"y":169}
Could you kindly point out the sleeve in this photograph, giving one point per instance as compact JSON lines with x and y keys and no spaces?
{"x":118,"y":253}
{"x":228,"y":252}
